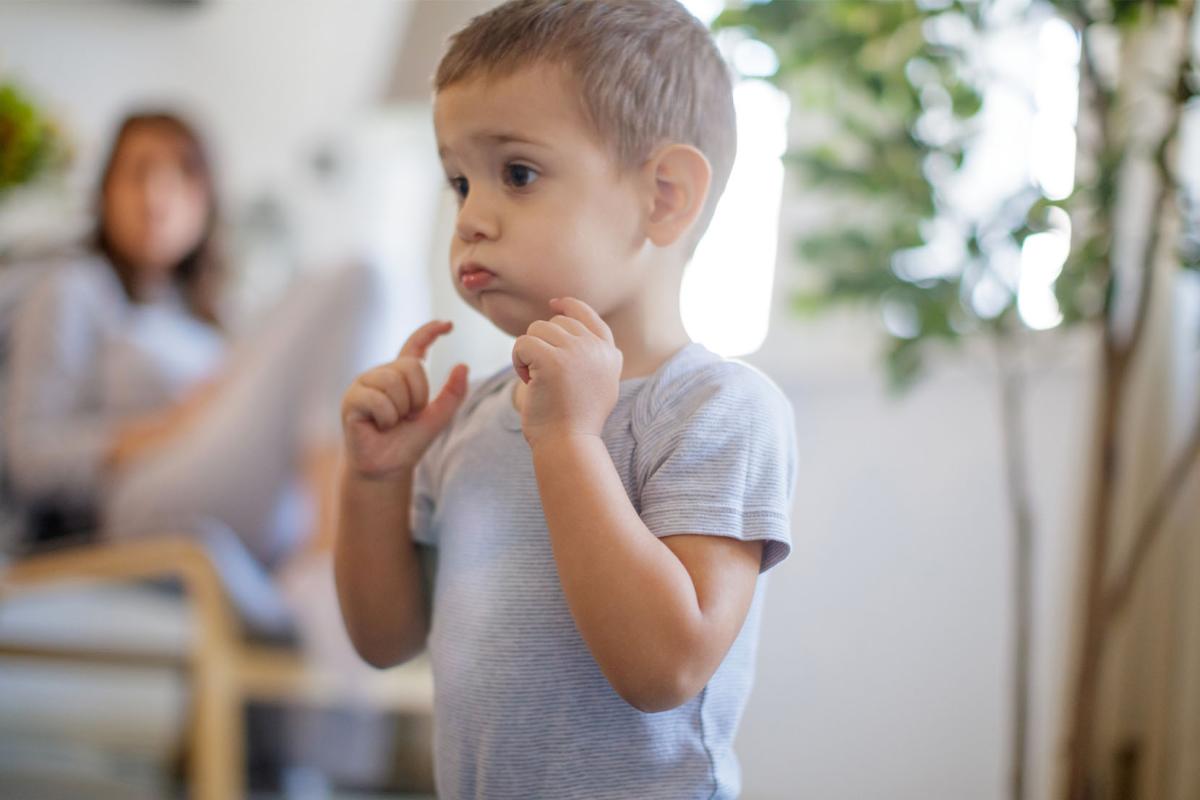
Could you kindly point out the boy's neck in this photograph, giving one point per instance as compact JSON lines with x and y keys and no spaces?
{"x":648,"y":330}
{"x":642,"y":355}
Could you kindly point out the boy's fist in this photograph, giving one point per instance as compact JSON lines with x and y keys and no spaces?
{"x":572,"y":371}
{"x":387,"y":417}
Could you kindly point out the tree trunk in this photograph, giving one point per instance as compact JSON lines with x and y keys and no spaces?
{"x":1012,"y":409}
{"x":1099,"y":535}
{"x":1119,"y":353}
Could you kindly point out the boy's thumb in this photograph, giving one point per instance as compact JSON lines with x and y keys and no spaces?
{"x":441,"y":409}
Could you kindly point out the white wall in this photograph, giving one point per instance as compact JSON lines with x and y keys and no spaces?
{"x":884,"y":662}
{"x":268,"y":79}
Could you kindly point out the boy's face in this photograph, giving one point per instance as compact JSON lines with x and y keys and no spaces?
{"x":542,"y":204}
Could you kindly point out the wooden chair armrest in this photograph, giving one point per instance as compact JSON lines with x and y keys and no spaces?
{"x":158,"y":557}
{"x":168,"y":556}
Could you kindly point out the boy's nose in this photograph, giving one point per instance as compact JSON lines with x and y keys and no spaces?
{"x":474,"y":223}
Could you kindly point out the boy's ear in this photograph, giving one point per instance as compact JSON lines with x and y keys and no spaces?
{"x":677,"y":179}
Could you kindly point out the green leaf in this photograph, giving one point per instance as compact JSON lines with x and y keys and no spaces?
{"x":864,"y":69}
{"x":965,"y":101}
{"x":810,"y":304}
{"x":904,"y":365}
{"x":30,"y":144}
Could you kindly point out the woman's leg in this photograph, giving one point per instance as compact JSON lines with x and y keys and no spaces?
{"x":239,"y":460}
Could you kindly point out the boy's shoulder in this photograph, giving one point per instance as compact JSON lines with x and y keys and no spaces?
{"x":699,"y":379}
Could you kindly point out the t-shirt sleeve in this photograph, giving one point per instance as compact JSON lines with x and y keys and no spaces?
{"x":716,"y":455}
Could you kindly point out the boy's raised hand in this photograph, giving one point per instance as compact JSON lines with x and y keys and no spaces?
{"x":572,"y":371}
{"x":387,"y":418}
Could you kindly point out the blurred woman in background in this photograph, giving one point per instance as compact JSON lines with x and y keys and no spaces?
{"x":127,"y":398}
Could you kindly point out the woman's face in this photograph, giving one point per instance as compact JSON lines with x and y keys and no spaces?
{"x":156,"y":200}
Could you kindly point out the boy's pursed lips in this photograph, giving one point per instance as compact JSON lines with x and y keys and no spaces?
{"x":473,"y":275}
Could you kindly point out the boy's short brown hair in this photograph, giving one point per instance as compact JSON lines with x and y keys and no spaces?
{"x":647,"y":70}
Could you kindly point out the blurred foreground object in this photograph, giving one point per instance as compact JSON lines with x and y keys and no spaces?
{"x":223,"y":668}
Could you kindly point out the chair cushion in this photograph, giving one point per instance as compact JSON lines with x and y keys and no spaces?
{"x":133,"y":619}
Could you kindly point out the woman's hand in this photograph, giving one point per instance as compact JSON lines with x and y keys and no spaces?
{"x":143,"y":434}
{"x":151,"y":431}
{"x":387,"y":417}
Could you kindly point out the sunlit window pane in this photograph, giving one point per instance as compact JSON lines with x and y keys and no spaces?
{"x":726,"y":296}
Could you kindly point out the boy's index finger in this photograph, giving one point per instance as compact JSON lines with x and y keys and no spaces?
{"x":418,"y":343}
{"x":577,"y":309}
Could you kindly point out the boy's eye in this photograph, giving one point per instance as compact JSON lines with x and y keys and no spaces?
{"x":459,"y":187}
{"x":519,"y":176}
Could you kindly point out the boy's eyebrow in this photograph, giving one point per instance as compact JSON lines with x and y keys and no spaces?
{"x":494,"y":138}
{"x":503,"y":137}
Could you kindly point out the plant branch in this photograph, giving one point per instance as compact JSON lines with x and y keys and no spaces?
{"x":1016,"y":462}
{"x":1151,"y":527}
{"x":1166,"y":192}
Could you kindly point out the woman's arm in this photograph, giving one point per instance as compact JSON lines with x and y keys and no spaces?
{"x":56,"y":436}
{"x":150,"y":431}
{"x":60,"y":441}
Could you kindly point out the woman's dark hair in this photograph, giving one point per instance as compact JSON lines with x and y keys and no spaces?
{"x":200,"y":272}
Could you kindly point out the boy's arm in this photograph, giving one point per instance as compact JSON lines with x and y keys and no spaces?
{"x":388,"y":423}
{"x":658,"y":615}
{"x":377,"y":570}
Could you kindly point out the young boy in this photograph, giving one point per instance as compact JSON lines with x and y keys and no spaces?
{"x":603,"y":510}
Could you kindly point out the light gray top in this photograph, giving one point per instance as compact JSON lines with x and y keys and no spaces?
{"x":705,"y":445}
{"x":84,"y":359}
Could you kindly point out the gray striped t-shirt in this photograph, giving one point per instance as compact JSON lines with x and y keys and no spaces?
{"x":705,"y":445}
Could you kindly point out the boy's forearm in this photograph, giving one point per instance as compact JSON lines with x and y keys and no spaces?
{"x":633,"y":601}
{"x":377,"y":570}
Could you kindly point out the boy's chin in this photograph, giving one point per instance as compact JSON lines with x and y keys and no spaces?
{"x":511,"y":318}
{"x":512,"y":329}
